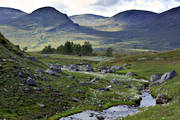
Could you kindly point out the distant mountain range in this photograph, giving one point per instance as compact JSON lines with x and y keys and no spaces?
{"x":128,"y":30}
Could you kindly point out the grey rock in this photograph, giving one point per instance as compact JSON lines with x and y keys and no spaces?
{"x":31,"y":58}
{"x":85,"y":83}
{"x":104,"y":89}
{"x":131,"y":74}
{"x":162,"y":99}
{"x":41,"y":105}
{"x":27,"y":89}
{"x":71,"y":77}
{"x":75,"y":99}
{"x":36,"y":88}
{"x":169,"y":75}
{"x":114,"y":81}
{"x":30,"y":82}
{"x":56,"y":68}
{"x":45,"y":55}
{"x":95,"y":79}
{"x":116,"y":68}
{"x":155,"y":77}
{"x":50,"y":72}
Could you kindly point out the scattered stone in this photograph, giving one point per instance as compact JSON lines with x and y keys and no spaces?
{"x":36,"y":89}
{"x":85,"y":83}
{"x":100,"y":117}
{"x":41,"y":105}
{"x":114,"y":81}
{"x":45,"y":55}
{"x":169,"y":75}
{"x":162,"y":99}
{"x":4,"y":60}
{"x":155,"y":77}
{"x":75,"y":99}
{"x":8,"y":76}
{"x":71,"y":77}
{"x":40,"y":70}
{"x":116,"y":68}
{"x":22,"y":75}
{"x":80,"y":91}
{"x":157,"y":58}
{"x":50,"y":72}
{"x":30,"y":82}
{"x":142,"y":59}
{"x":27,"y":89}
{"x":31,"y":58}
{"x":104,"y":89}
{"x":95,"y":79}
{"x":56,"y":68}
{"x":131,"y":74}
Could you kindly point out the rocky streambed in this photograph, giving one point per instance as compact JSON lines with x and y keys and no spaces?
{"x":114,"y":112}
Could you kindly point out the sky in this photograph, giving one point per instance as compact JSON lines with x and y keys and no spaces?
{"x":99,"y":7}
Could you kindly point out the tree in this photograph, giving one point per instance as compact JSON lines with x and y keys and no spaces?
{"x":87,"y":49}
{"x":68,"y":48}
{"x":109,"y":52}
{"x":48,"y":50}
{"x":77,"y":49}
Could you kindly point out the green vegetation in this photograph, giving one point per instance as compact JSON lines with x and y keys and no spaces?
{"x":70,"y":48}
{"x":63,"y":95}
{"x":109,"y":52}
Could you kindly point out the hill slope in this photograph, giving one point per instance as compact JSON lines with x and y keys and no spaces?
{"x":43,"y":17}
{"x":9,"y":14}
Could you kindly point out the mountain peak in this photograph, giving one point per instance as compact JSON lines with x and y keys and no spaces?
{"x":46,"y":10}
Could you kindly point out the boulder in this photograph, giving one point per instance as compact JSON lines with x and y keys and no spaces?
{"x":131,"y":74}
{"x":104,"y":89}
{"x":75,"y":99}
{"x":50,"y":72}
{"x":95,"y":79}
{"x":89,"y":69}
{"x":162,"y":99}
{"x":56,"y":68}
{"x":155,"y":77}
{"x":31,"y":58}
{"x":114,"y":81}
{"x":30,"y":82}
{"x":85,"y":83}
{"x":45,"y":55}
{"x":169,"y":75}
{"x":116,"y":68}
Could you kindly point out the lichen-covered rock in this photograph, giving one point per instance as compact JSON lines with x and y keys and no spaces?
{"x":155,"y":77}
{"x":169,"y":75}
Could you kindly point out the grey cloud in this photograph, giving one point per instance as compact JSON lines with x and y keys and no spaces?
{"x":106,"y":2}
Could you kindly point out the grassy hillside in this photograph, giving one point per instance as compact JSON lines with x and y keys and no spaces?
{"x":49,"y":95}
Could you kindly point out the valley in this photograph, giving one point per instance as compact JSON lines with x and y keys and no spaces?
{"x":54,"y":66}
{"x":55,"y":86}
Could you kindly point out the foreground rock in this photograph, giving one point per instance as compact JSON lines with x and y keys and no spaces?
{"x":131,"y":74}
{"x":165,"y":76}
{"x":169,"y":75}
{"x":162,"y":99}
{"x":155,"y":77}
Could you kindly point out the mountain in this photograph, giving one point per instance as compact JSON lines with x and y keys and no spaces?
{"x":43,"y":17}
{"x":128,"y":30}
{"x":134,"y":16}
{"x":9,"y":14}
{"x":86,"y":19}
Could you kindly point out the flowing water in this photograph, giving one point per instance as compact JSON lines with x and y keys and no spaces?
{"x":114,"y":112}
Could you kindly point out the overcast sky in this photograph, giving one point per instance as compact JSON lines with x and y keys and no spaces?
{"x":100,"y":7}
